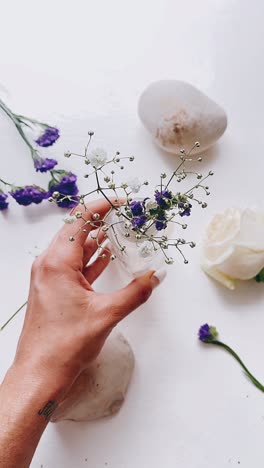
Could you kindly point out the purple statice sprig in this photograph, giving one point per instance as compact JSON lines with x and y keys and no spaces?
{"x":23,"y":195}
{"x":209,"y":335}
{"x":3,"y":201}
{"x":63,"y":189}
{"x":44,"y":164}
{"x":48,"y":135}
{"x":29,"y":194}
{"x":148,"y":218}
{"x":65,"y":181}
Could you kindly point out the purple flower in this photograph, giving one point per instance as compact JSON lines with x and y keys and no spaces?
{"x":207,"y":333}
{"x":66,"y":185}
{"x":48,"y":137}
{"x":161,"y":223}
{"x":44,"y":165}
{"x":136,"y":208}
{"x":186,"y":210}
{"x":3,"y":202}
{"x":29,"y":194}
{"x":67,"y":189}
{"x":138,"y":221}
{"x":162,"y":197}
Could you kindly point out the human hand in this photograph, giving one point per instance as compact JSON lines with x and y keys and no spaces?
{"x":67,"y":322}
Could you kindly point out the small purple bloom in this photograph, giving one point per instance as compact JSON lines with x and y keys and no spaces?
{"x":204,"y":332}
{"x":207,"y":333}
{"x":44,"y":165}
{"x":162,"y":197}
{"x":186,"y":210}
{"x":161,"y":223}
{"x":66,"y":185}
{"x":138,"y":221}
{"x":3,"y":202}
{"x":67,"y":188}
{"x":29,"y":194}
{"x":48,"y":137}
{"x":136,"y":208}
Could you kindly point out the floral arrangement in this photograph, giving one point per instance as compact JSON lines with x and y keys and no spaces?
{"x":145,"y":219}
{"x":209,"y":335}
{"x":61,"y":180}
{"x":233,"y":247}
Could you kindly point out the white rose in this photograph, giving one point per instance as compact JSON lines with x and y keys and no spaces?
{"x":98,"y":157}
{"x":234,"y":246}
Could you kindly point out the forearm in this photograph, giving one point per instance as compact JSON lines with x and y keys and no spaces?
{"x":27,"y":401}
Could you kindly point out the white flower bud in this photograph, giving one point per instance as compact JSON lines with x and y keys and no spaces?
{"x":98,"y":157}
{"x":134,"y":184}
{"x":69,"y":219}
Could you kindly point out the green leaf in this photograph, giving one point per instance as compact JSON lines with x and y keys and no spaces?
{"x":260,"y":277}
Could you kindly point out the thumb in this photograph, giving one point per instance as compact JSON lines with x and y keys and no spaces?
{"x":127,"y":299}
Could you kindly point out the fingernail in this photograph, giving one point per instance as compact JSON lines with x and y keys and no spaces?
{"x":158,"y":277}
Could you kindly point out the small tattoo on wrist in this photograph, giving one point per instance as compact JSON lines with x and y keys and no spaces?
{"x":48,"y":409}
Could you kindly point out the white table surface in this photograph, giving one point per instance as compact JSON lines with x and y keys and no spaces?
{"x":83,"y":65}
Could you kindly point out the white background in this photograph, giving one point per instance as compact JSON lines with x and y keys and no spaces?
{"x":83,"y":65}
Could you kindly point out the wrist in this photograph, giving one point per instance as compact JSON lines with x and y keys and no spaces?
{"x":34,"y":380}
{"x":28,"y":398}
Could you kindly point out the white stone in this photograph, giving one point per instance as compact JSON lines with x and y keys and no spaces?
{"x":100,"y":390}
{"x":177,"y":115}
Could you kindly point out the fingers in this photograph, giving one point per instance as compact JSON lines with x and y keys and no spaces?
{"x":71,"y":252}
{"x":76,"y":230}
{"x":94,"y":270}
{"x":91,"y":245}
{"x":124,"y":301}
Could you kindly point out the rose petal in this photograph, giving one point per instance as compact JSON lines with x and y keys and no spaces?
{"x":221,"y":234}
{"x":218,"y":276}
{"x":243,"y":264}
{"x":252,"y":230}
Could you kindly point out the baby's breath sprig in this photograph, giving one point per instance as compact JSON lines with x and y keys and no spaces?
{"x":143,"y":219}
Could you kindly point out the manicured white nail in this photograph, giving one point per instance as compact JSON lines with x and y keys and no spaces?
{"x":160,"y":275}
{"x":107,"y":244}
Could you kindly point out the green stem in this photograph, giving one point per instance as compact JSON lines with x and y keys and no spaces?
{"x":16,"y":122}
{"x":232,"y":352}
{"x":7,"y":110}
{"x":22,"y":134}
{"x":174,"y":174}
{"x":6,"y":183}
{"x":11,"y":318}
{"x":29,"y":119}
{"x":100,"y":190}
